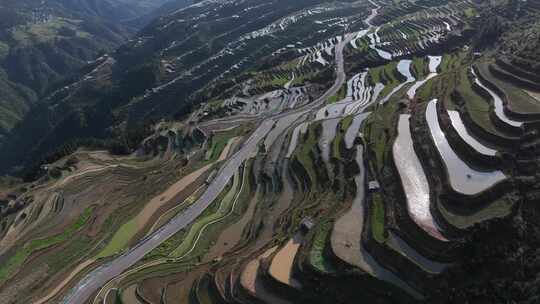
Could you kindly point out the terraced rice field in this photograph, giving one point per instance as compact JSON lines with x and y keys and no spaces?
{"x":497,"y":103}
{"x":457,"y":124}
{"x":463,"y":178}
{"x":414,"y":180}
{"x":354,"y":163}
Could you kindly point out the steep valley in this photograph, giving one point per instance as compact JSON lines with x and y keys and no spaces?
{"x":43,"y":44}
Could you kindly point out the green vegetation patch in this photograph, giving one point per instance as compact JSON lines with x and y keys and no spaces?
{"x":219,"y":142}
{"x":497,"y":209}
{"x":303,"y":153}
{"x":32,"y":246}
{"x":426,"y":91}
{"x":73,"y":251}
{"x":340,"y":95}
{"x":386,"y":75}
{"x":120,"y":239}
{"x":346,"y":123}
{"x":316,"y":254}
{"x":519,"y":100}
{"x":279,"y":81}
{"x":380,"y":131}
{"x":476,"y":105}
{"x":377,"y":218}
{"x":469,"y":12}
{"x":451,"y":62}
{"x":419,"y":67}
{"x":165,"y":248}
{"x":340,"y":135}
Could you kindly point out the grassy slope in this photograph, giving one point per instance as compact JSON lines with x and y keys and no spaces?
{"x":303,"y":153}
{"x":385,"y":75}
{"x":477,"y":106}
{"x":33,"y":246}
{"x":519,"y":100}
{"x":120,"y":239}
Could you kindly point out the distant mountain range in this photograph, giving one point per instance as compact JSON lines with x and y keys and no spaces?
{"x":42,"y":42}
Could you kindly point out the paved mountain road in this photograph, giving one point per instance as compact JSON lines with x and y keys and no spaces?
{"x":91,"y":283}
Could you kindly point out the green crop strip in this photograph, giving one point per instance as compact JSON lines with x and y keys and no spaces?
{"x":219,"y":142}
{"x":120,"y":239}
{"x":419,"y":68}
{"x":476,"y":105}
{"x":385,"y":75}
{"x":380,"y":131}
{"x":303,"y":154}
{"x":316,"y":255}
{"x":519,"y":101}
{"x":223,"y":210}
{"x":377,"y":222}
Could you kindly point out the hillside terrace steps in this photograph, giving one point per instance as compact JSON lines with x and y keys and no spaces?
{"x":521,"y":79}
{"x":204,"y":291}
{"x":398,"y":254}
{"x":428,"y":265}
{"x":521,"y":139}
{"x":375,"y":267}
{"x":359,"y":240}
{"x":502,"y":142}
{"x":272,"y":283}
{"x":476,"y":153}
{"x":517,"y":104}
{"x":399,"y":249}
{"x":399,"y":221}
{"x":443,"y":193}
{"x":228,"y":279}
{"x":402,"y":241}
{"x":345,"y":280}
{"x":413,"y":180}
{"x":520,"y":102}
{"x":399,"y":218}
{"x":497,"y":113}
{"x":252,"y":281}
{"x":517,"y":69}
{"x":417,"y":34}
